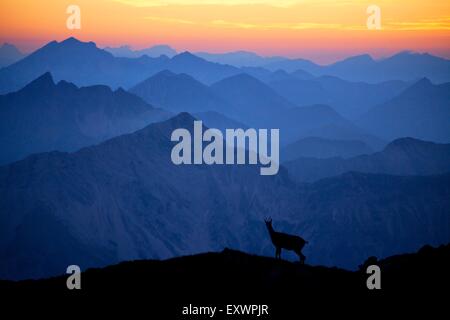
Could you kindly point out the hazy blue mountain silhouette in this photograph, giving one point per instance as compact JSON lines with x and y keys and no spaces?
{"x":259,"y":73}
{"x":406,"y":66}
{"x":291,"y":65}
{"x":240,"y":98}
{"x":202,"y":70}
{"x":153,"y":51}
{"x":356,"y":68}
{"x":179,"y":92}
{"x":298,"y":122}
{"x":405,"y":156}
{"x":314,"y":147}
{"x":268,"y":76}
{"x":420,"y":111}
{"x":45,"y":116}
{"x":351,"y":99}
{"x":239,"y":58}
{"x":79,"y":62}
{"x":84,"y":64}
{"x":251,"y":97}
{"x":123,"y":199}
{"x":9,"y":54}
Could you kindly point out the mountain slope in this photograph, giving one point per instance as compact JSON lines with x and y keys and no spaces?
{"x":9,"y":54}
{"x":404,"y":156}
{"x":258,"y":105}
{"x":357,"y":215}
{"x":421,"y":111}
{"x":254,"y":101}
{"x":202,"y":70}
{"x":179,"y":92}
{"x":45,"y":116}
{"x":125,"y":200}
{"x":351,"y":99}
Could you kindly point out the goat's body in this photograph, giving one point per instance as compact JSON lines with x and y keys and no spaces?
{"x":288,"y":242}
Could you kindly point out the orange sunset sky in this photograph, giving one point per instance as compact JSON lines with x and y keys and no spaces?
{"x":321,"y":30}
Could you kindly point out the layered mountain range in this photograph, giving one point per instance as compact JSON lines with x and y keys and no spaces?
{"x":86,"y":175}
{"x":124,"y":199}
{"x":45,"y":116}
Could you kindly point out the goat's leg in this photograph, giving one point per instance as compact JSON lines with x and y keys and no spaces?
{"x":278,"y":253}
{"x":301,"y":256}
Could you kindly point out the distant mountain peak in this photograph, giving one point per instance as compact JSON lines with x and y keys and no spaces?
{"x":9,"y":46}
{"x":242,"y":79}
{"x":406,"y":142}
{"x":422,"y":84}
{"x":66,"y":84}
{"x":120,"y":90}
{"x":9,"y":54}
{"x":403,"y":53}
{"x":71,"y":40}
{"x":186,"y":56}
{"x":45,"y":81}
{"x":182,"y":116}
{"x":181,"y":120}
{"x":362,"y":58}
{"x":164,"y":73}
{"x":161,"y":46}
{"x":424,"y":81}
{"x":414,"y":58}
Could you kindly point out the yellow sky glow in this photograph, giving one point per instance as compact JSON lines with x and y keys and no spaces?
{"x":322,"y":30}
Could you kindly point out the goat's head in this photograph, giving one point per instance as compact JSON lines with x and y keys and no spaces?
{"x":268,"y":222}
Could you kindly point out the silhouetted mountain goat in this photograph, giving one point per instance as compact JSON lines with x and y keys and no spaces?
{"x":285,"y":241}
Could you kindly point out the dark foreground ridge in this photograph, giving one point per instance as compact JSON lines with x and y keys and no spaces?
{"x":215,"y":275}
{"x":224,"y":280}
